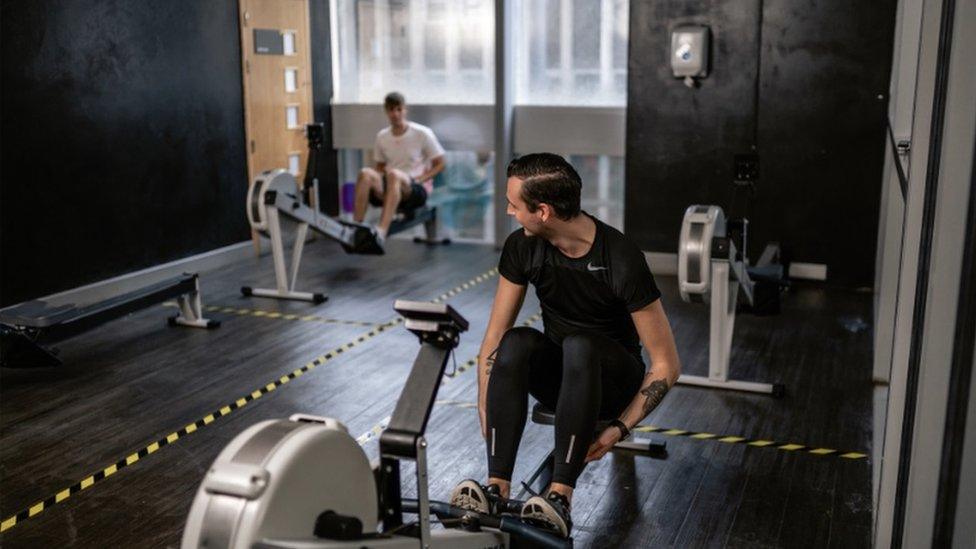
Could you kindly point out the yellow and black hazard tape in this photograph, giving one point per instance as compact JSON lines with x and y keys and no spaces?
{"x":373,"y":431}
{"x":277,"y":315}
{"x":754,"y":442}
{"x":728,"y":439}
{"x":134,"y":457}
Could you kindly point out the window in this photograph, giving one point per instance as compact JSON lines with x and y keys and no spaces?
{"x":574,"y":53}
{"x":291,"y":117}
{"x":291,"y":80}
{"x":432,"y":51}
{"x":603,"y":186}
{"x":571,"y":52}
{"x":288,"y":42}
{"x":294,"y":163}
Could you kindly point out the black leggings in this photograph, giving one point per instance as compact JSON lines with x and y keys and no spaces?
{"x":589,"y":377}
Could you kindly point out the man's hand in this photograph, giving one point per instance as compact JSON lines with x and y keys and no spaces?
{"x":603,"y":444}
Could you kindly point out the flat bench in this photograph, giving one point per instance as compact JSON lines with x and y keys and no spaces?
{"x":26,"y":328}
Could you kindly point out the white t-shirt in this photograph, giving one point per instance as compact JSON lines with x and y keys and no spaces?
{"x":411,"y":152}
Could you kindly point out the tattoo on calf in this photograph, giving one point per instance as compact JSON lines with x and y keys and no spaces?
{"x":654,"y":393}
{"x":490,"y":361}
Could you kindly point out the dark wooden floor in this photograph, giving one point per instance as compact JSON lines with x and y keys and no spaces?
{"x":135,"y":380}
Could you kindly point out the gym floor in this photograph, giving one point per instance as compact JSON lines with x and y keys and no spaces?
{"x":135,"y":381}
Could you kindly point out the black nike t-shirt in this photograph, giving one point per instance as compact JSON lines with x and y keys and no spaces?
{"x":595,"y":292}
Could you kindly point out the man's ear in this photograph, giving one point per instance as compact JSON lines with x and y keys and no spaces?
{"x":545,"y":211}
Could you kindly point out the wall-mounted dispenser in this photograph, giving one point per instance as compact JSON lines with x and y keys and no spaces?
{"x":689,"y":53}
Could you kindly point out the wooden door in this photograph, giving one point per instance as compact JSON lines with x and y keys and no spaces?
{"x":277,"y":66}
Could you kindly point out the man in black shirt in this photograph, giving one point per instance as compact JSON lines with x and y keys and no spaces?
{"x":599,"y":303}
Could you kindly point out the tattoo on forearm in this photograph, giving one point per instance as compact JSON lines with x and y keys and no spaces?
{"x":654,"y":394}
{"x":490,"y":361}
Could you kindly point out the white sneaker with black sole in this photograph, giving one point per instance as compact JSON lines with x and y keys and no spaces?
{"x":470,"y":495}
{"x":551,"y":513}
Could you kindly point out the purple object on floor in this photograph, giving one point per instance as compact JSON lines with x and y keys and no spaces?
{"x":348,"y":196}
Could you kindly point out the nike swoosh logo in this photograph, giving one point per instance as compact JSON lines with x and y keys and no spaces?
{"x":590,"y":267}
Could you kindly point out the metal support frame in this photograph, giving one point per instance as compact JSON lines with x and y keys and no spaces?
{"x":286,"y":277}
{"x":274,"y":193}
{"x":423,"y":510}
{"x":724,"y":294}
{"x":711,"y":271}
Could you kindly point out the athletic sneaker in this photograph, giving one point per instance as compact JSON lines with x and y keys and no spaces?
{"x":470,"y":495}
{"x":380,"y":242}
{"x":549,"y":513}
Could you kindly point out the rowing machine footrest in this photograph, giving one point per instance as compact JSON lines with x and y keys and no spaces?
{"x":363,"y":240}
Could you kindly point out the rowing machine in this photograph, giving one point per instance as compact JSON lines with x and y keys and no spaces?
{"x":712,"y":270}
{"x":305,"y":483}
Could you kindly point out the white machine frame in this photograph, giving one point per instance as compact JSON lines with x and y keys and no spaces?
{"x":276,"y":192}
{"x":710,"y":271}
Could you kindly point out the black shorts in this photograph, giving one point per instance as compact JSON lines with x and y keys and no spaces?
{"x":417,"y":198}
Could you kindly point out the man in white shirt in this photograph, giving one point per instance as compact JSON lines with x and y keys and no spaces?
{"x":407,"y":157}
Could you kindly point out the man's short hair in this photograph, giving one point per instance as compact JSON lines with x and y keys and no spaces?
{"x":394,"y":100}
{"x":548,"y":178}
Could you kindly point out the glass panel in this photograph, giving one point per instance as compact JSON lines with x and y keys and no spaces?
{"x":464,"y":193}
{"x":621,"y":31}
{"x":294,"y":163}
{"x":399,"y":33}
{"x":434,"y":47}
{"x":587,"y":83}
{"x":291,"y":116}
{"x":291,"y":80}
{"x":586,"y":43}
{"x":603,"y":186}
{"x":550,"y":32}
{"x":472,"y":34}
{"x":432,"y":51}
{"x":571,"y":52}
{"x":288,"y":42}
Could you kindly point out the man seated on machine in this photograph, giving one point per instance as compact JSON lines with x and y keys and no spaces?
{"x":407,"y":156}
{"x":599,"y":303}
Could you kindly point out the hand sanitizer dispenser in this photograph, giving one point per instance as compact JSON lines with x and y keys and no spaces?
{"x":689,"y":53}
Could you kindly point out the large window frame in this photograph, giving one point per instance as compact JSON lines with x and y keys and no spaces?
{"x":503,"y":126}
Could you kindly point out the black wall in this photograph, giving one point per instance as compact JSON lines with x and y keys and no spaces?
{"x":328,"y":162}
{"x":797,"y":83}
{"x":122,"y":136}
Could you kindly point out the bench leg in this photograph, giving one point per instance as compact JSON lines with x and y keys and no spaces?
{"x":191,"y":311}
